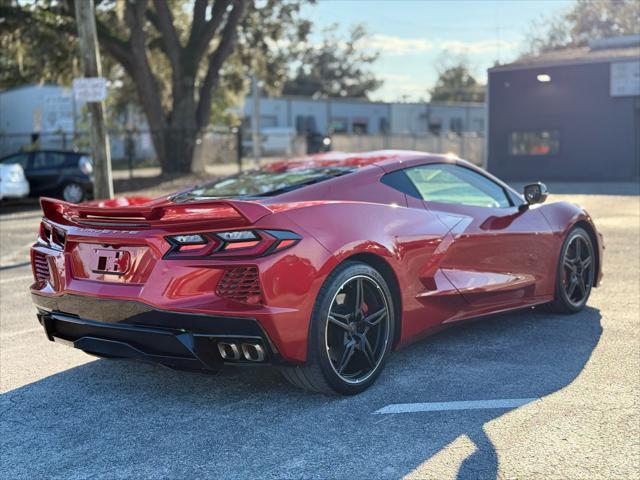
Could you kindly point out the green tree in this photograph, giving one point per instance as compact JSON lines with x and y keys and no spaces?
{"x":175,"y":54}
{"x":334,"y":68}
{"x":584,"y":21}
{"x":456,"y":84}
{"x":33,"y":55}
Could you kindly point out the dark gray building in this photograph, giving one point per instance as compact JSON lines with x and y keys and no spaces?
{"x":571,"y":114}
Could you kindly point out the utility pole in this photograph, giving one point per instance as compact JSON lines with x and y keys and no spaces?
{"x":255,"y":120}
{"x":90,"y":55}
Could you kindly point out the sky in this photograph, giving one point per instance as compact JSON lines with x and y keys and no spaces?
{"x":415,"y":36}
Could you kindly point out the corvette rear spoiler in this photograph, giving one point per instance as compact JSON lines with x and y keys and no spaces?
{"x":163,"y":213}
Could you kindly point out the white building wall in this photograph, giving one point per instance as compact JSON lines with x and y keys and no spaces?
{"x":359,"y":113}
{"x":273,"y":111}
{"x":317,"y":109}
{"x":43,"y":109}
{"x":36,"y":108}
{"x":471,"y":116}
{"x":409,"y":118}
{"x":396,"y":118}
{"x":48,"y":110}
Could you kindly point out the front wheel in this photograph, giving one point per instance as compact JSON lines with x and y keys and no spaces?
{"x":350,"y":335}
{"x":575,"y":273}
{"x":73,"y":193}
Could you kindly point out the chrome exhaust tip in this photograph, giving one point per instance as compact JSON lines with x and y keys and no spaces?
{"x":253,"y":352}
{"x":229,"y":351}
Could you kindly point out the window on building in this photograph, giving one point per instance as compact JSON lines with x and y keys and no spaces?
{"x":534,"y":142}
{"x":359,"y":126}
{"x":445,"y":183}
{"x":435,"y":125}
{"x":456,"y":125}
{"x":305,"y":124}
{"x":339,"y":125}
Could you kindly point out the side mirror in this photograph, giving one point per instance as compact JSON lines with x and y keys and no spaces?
{"x":535,"y":193}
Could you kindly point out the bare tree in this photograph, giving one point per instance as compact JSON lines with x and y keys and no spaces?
{"x":584,"y":21}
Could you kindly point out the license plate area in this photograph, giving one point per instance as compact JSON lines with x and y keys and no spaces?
{"x":111,"y":263}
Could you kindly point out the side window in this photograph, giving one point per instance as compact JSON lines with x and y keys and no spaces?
{"x":21,"y":159}
{"x":339,"y":125}
{"x":400,"y":181}
{"x":48,"y":160}
{"x":447,"y":183}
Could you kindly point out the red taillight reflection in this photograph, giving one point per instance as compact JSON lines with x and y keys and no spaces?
{"x":237,"y":245}
{"x":191,"y":248}
{"x":286,"y":243}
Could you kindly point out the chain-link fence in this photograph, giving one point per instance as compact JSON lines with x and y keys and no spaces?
{"x":130,"y":148}
{"x":133,"y":149}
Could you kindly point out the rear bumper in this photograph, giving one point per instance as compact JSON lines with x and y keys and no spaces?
{"x":194,"y":288}
{"x":128,"y":329}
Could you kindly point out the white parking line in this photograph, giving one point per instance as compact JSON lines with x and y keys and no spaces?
{"x":445,"y":406}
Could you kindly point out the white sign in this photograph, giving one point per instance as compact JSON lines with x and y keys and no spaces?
{"x":625,"y":79}
{"x":90,"y":89}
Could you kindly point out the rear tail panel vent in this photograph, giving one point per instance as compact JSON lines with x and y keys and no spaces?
{"x":241,"y":284}
{"x":40,"y":267}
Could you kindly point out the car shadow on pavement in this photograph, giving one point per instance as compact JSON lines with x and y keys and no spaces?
{"x":113,"y":419}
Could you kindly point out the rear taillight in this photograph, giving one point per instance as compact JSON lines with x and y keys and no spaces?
{"x":195,"y":245}
{"x":52,"y":237}
{"x":233,"y":243}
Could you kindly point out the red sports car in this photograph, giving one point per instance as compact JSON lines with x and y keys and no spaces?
{"x":319,"y":266}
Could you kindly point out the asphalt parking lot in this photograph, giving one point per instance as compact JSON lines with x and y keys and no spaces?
{"x":577,"y":379}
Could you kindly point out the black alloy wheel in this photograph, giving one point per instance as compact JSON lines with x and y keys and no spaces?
{"x":578,"y":270}
{"x":576,"y":273}
{"x":357,"y":330}
{"x":351,"y":332}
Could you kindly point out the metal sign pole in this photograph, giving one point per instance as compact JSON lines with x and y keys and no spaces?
{"x":90,"y":55}
{"x":255,"y":121}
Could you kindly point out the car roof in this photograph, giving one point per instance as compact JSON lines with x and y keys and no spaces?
{"x":387,"y":160}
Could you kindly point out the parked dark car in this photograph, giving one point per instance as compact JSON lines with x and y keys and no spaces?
{"x":318,"y":143}
{"x":56,"y":173}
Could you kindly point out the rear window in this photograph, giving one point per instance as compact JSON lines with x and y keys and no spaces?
{"x":261,"y":183}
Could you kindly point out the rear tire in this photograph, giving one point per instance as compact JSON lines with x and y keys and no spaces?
{"x":350,"y":334}
{"x":575,"y":273}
